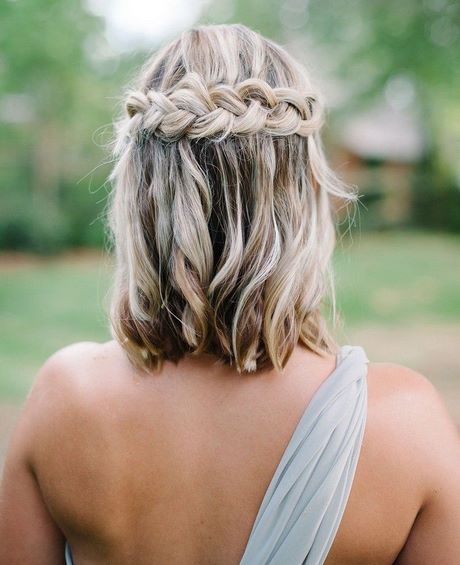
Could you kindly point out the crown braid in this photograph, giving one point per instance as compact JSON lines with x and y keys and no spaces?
{"x":194,"y":110}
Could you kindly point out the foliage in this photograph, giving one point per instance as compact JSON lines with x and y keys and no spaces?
{"x":59,"y":88}
{"x":435,"y":202}
{"x":368,"y":42}
{"x":54,"y":94}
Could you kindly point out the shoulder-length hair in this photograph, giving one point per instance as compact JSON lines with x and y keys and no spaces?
{"x":222,"y":205}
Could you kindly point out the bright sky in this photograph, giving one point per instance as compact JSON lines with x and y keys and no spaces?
{"x":131,"y":23}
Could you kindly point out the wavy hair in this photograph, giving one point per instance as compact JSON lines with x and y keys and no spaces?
{"x":221,"y":210}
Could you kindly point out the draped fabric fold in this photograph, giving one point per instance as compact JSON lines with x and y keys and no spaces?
{"x":302,"y":508}
{"x":304,"y":503}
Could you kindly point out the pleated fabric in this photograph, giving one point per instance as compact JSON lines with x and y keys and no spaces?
{"x":68,"y":555}
{"x":305,"y":501}
{"x":302,"y":508}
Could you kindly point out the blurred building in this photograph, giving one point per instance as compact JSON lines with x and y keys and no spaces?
{"x":378,"y":150}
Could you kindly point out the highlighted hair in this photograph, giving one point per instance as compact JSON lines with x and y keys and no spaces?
{"x":221,"y":210}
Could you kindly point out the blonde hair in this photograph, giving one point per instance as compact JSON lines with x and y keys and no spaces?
{"x":221,"y":209}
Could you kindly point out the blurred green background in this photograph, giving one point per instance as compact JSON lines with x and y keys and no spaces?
{"x":390,"y":76}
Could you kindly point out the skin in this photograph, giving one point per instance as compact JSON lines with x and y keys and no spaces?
{"x":172,"y":467}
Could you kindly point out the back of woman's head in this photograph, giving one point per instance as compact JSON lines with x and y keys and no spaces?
{"x":221,"y":210}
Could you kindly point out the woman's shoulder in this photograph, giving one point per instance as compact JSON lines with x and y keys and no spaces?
{"x":412,"y":447}
{"x":411,"y":429}
{"x":399,"y":394}
{"x":83,"y":353}
{"x":405,"y":400}
{"x":82,"y":367}
{"x":70,"y":389}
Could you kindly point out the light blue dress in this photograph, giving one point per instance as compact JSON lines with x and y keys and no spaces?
{"x":302,"y":508}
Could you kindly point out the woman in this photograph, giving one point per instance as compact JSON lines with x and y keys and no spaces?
{"x":223,"y":424}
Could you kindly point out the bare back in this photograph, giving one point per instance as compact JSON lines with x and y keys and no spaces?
{"x":175,"y":465}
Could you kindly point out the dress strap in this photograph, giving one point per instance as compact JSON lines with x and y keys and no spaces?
{"x":68,"y":554}
{"x":304,"y":503}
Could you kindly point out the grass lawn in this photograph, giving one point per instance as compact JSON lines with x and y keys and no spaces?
{"x":382,"y":279}
{"x":44,"y":305}
{"x":402,"y":277}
